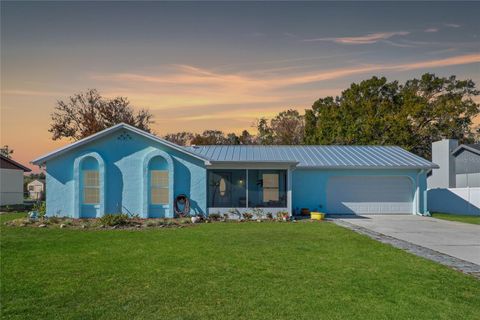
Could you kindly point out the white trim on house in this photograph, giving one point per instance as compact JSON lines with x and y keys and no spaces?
{"x":289,"y":191}
{"x":252,"y":165}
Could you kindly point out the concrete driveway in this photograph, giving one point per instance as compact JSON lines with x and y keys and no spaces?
{"x":457,"y":239}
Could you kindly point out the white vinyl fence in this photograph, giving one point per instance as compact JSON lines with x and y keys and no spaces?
{"x":454,"y":200}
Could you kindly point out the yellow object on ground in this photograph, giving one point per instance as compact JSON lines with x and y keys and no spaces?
{"x":317,"y":215}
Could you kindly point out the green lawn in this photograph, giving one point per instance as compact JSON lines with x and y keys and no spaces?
{"x":223,"y":271}
{"x":456,"y":217}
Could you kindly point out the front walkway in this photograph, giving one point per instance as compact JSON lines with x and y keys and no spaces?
{"x":451,"y":243}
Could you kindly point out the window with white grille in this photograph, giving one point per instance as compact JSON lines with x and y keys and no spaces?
{"x":91,"y":187}
{"x":159,"y":191}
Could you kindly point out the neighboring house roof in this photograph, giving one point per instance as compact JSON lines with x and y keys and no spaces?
{"x":475,"y":148}
{"x":7,"y":163}
{"x":314,"y":156}
{"x":121,"y":126}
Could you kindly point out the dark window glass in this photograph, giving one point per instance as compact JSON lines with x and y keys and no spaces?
{"x":227,"y":189}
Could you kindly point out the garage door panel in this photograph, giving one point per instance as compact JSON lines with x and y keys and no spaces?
{"x":369,"y":195}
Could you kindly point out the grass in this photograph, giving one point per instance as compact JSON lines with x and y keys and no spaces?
{"x":223,"y":271}
{"x":456,"y":217}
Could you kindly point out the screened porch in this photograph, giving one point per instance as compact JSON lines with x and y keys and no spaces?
{"x":247,"y":188}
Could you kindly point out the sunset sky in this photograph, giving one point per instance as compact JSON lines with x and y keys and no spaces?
{"x":200,"y":66}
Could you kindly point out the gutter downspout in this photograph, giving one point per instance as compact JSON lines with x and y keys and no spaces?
{"x":417,"y":202}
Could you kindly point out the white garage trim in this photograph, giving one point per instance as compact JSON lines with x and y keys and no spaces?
{"x":370,"y":195}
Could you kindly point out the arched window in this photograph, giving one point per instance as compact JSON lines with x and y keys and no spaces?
{"x":90,"y":176}
{"x":159,"y":181}
{"x":89,"y":180}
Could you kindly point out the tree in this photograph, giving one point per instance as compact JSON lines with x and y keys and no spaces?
{"x":366,"y":113}
{"x":288,"y":127}
{"x":183,"y":138}
{"x":37,"y":176}
{"x":247,"y":138}
{"x":210,"y":137}
{"x":232,"y":138}
{"x":476,"y":134}
{"x":6,"y":151}
{"x":86,"y":113}
{"x":439,"y":108}
{"x":265,"y":133}
{"x":413,"y":115}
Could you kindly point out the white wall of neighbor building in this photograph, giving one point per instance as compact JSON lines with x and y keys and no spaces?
{"x":11,"y":186}
{"x":454,"y":200}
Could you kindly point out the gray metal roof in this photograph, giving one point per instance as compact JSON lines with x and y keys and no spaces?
{"x":316,"y":156}
{"x":475,"y":148}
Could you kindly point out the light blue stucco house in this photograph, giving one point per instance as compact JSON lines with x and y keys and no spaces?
{"x":124,"y":169}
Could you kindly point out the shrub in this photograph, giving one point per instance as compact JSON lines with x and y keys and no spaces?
{"x":258,"y":213}
{"x":282,"y":214}
{"x":247,"y":216}
{"x":170,"y":222}
{"x":269,"y":216}
{"x":151,"y":223}
{"x":114,"y":219}
{"x":234,"y":212}
{"x":134,"y":216}
{"x":214,"y":216}
{"x":41,"y":208}
{"x":54,"y":220}
{"x":184,"y":221}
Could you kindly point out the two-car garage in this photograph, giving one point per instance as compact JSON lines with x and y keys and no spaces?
{"x":370,"y":195}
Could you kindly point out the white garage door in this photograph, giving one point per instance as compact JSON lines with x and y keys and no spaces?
{"x":370,"y":195}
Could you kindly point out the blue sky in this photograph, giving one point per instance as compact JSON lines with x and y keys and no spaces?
{"x":218,"y":65}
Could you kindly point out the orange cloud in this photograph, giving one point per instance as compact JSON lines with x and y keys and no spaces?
{"x":190,"y":76}
{"x":452,"y":61}
{"x":366,"y":39}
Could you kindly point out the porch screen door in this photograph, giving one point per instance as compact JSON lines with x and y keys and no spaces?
{"x":222,"y":193}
